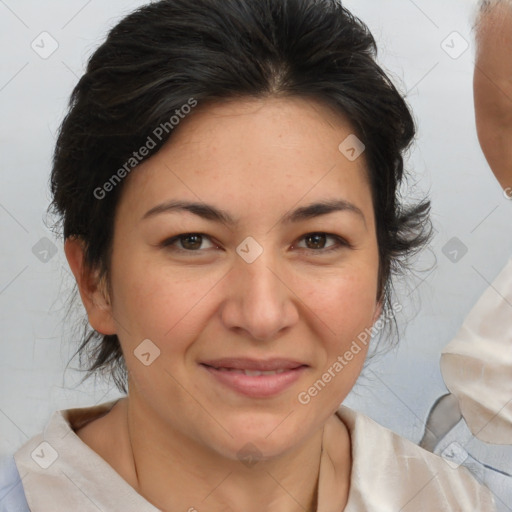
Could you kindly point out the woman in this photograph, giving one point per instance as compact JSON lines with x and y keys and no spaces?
{"x":227,"y":178}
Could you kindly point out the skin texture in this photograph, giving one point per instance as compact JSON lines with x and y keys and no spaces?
{"x":177,"y":434}
{"x":492,"y":86}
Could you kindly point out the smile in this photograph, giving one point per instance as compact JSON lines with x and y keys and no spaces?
{"x":253,"y":382}
{"x":252,"y":372}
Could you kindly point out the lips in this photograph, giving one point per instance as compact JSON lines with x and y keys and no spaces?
{"x":251,"y":373}
{"x":253,"y":377}
{"x":275,"y":365}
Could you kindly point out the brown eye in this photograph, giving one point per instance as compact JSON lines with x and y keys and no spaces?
{"x":191,"y":242}
{"x":316,"y":242}
{"x":188,"y":242}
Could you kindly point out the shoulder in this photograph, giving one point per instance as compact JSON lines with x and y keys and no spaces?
{"x":12,"y":495}
{"x":389,"y":469}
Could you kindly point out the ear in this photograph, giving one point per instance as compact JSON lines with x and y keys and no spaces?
{"x":93,"y":290}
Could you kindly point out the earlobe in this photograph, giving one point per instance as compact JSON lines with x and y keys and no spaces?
{"x":93,"y":290}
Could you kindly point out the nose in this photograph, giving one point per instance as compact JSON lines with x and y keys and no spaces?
{"x":260,"y":302}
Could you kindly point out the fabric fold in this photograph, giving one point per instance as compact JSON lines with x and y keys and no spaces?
{"x":477,"y":364}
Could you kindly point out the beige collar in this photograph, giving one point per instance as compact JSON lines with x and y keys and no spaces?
{"x":61,"y":473}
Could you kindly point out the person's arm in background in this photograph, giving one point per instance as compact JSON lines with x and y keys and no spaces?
{"x":477,"y":364}
{"x":492,"y":83}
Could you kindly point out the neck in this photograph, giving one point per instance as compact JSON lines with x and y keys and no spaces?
{"x":174,"y":472}
{"x":204,"y":480}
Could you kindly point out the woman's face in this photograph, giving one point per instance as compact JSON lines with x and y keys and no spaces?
{"x":262,"y":292}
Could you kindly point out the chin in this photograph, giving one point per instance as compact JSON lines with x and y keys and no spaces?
{"x":269,"y":435}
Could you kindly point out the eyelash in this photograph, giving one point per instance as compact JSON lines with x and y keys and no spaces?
{"x":341,"y":243}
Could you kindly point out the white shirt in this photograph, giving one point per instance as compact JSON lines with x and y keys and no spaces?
{"x":477,"y":369}
{"x":60,"y":473}
{"x":477,"y":364}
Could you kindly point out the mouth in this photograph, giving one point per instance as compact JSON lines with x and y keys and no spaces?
{"x":276,"y":364}
{"x":252,"y":373}
{"x":255,"y":378}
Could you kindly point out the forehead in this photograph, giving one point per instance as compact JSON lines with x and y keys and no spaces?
{"x":265,"y":121}
{"x":253,"y":148}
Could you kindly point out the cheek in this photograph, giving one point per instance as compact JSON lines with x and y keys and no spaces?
{"x":156,"y":302}
{"x":344,"y":301}
{"x":345,"y":305}
{"x":345,"y":308}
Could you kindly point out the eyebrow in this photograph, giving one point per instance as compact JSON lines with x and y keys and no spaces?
{"x":212,"y":213}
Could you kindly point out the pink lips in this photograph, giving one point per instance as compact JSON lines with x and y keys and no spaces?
{"x":231,"y":373}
